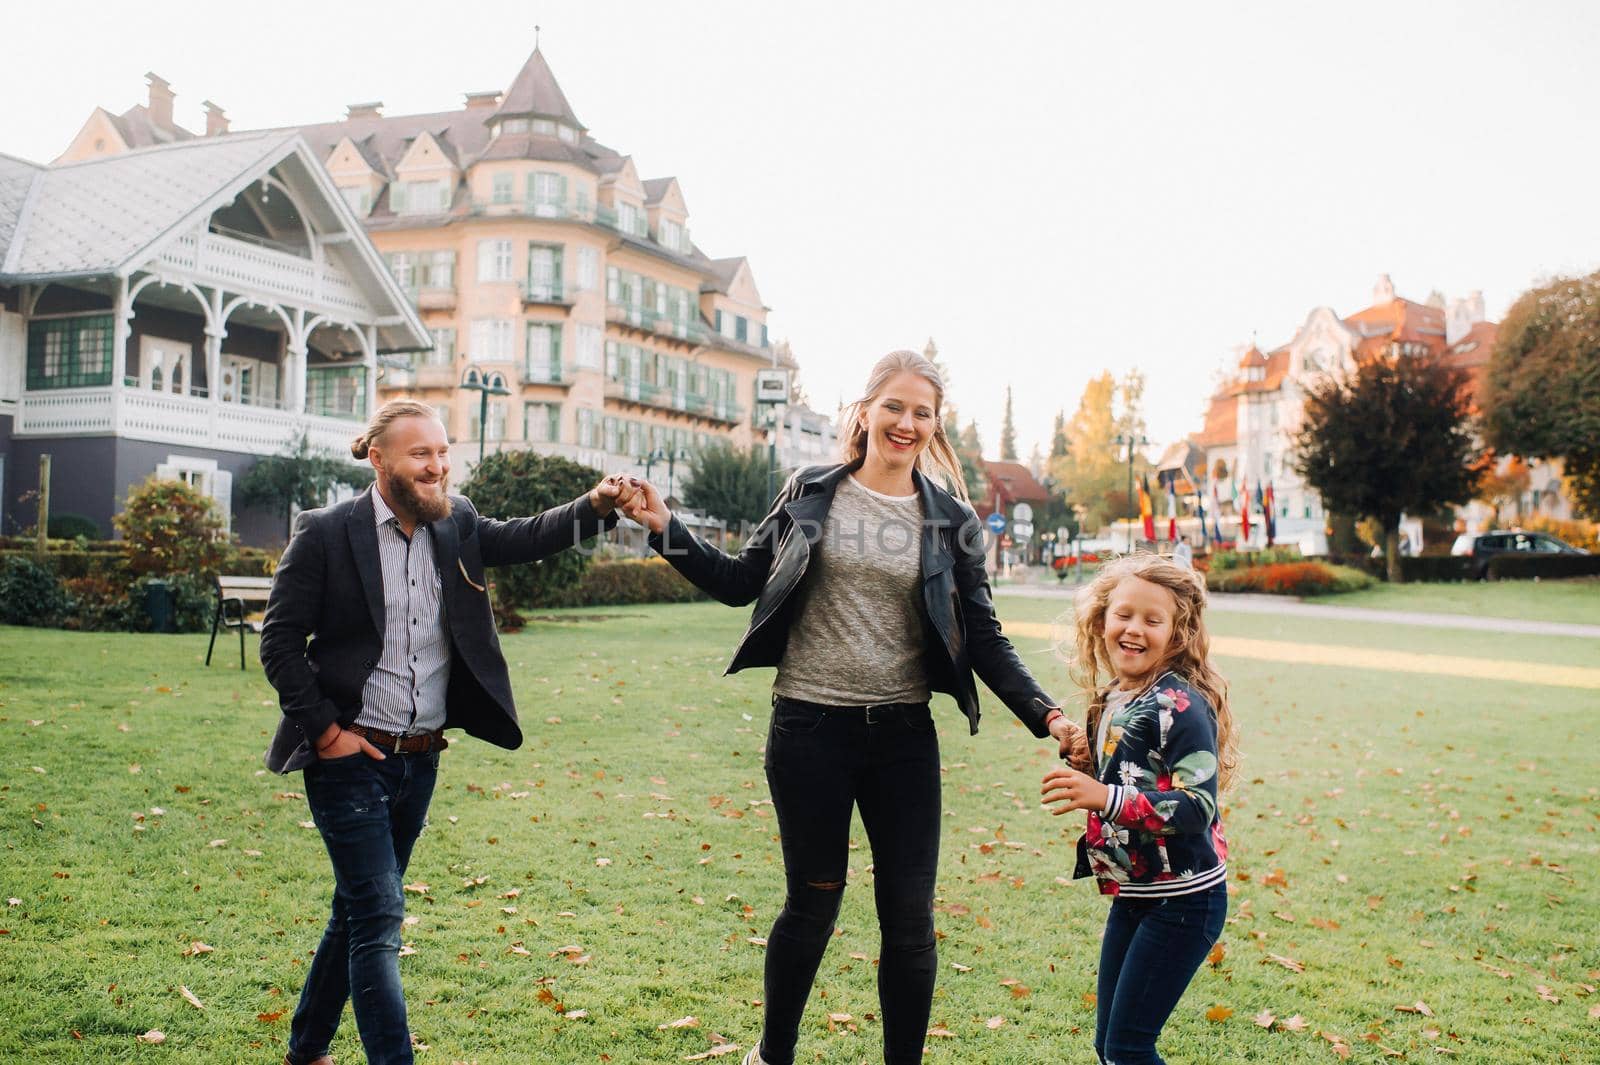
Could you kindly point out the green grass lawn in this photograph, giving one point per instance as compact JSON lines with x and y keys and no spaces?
{"x":1400,"y":839}
{"x":1576,"y":601}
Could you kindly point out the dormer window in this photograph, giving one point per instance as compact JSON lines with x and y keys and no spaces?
{"x":670,"y":235}
{"x":567,"y":133}
{"x":514,"y":125}
{"x":544,"y":126}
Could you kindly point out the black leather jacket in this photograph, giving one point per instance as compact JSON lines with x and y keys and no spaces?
{"x":960,"y":630}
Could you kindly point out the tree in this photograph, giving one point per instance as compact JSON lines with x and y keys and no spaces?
{"x":1542,"y":396}
{"x":515,"y":484}
{"x":1391,"y":438}
{"x":1008,"y":433}
{"x":1504,"y":488}
{"x":1091,"y":470}
{"x":170,"y":528}
{"x":299,"y":477}
{"x":1058,"y":436}
{"x":729,"y":483}
{"x":969,"y":449}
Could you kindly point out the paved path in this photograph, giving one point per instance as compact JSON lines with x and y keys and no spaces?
{"x":1272,"y":604}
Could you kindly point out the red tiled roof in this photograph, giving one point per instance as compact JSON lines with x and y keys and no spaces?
{"x":1016,"y":482}
{"x":1221,"y":425}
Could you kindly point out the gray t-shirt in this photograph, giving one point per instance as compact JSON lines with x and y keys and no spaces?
{"x":856,"y":638}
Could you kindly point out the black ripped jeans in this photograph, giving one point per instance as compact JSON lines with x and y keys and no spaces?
{"x":821,"y":762}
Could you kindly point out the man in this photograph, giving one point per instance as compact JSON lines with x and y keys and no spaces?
{"x":378,"y":636}
{"x":1182,"y":553}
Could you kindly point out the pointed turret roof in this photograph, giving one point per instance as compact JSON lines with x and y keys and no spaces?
{"x":535,"y":93}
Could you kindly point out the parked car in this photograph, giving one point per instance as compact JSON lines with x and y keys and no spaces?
{"x":1484,"y":546}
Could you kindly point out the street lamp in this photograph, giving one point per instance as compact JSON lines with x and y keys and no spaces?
{"x":670,"y":456}
{"x":486,"y":384}
{"x":1078,"y":511}
{"x":1132,"y":440}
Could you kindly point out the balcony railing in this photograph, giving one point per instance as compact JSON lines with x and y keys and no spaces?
{"x":569,"y":211}
{"x":550,"y":295}
{"x":649,"y":321}
{"x":433,"y":297}
{"x":163,"y":417}
{"x":677,"y":401}
{"x":556,"y":374}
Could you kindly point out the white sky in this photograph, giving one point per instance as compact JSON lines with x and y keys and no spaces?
{"x":1048,"y":189}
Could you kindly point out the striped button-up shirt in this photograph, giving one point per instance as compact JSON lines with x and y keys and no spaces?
{"x":406,"y":692}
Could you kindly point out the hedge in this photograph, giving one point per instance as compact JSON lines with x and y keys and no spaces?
{"x":1526,"y":566}
{"x":1436,"y":568}
{"x":630,"y":581}
{"x":1288,"y":578}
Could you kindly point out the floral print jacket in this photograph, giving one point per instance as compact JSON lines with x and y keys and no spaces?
{"x":1160,"y":833}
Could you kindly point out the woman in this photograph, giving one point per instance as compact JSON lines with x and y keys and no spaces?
{"x":870,"y":594}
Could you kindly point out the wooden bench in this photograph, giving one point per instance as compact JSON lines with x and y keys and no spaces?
{"x":232,"y":595}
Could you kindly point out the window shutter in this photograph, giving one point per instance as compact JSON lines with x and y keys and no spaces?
{"x":555,"y":351}
{"x":222,"y":495}
{"x":553,"y":413}
{"x":556,"y":255}
{"x":561,"y":188}
{"x":166,"y":472}
{"x":530,"y":192}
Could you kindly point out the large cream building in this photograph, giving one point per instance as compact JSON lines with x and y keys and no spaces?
{"x":536,"y":253}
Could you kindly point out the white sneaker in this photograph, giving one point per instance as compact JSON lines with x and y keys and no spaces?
{"x":754,"y":1057}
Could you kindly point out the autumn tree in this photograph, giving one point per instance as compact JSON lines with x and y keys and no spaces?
{"x":1092,"y":469}
{"x":1542,"y":396}
{"x":1391,"y":438}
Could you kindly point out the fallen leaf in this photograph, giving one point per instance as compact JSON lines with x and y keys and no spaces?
{"x":840,"y":1018}
{"x":268,"y":1018}
{"x":939,"y":1031}
{"x":1296,"y":1023}
{"x":196,"y":948}
{"x":576,"y":1015}
{"x":190,"y":997}
{"x":1545,"y":993}
{"x":957,"y":966}
{"x":1288,"y":963}
{"x":1218,"y":1014}
{"x":1265,"y":1019}
{"x":681,"y":1022}
{"x":1218,"y":952}
{"x":994,"y":1023}
{"x":154,"y":1037}
{"x":715,"y":1052}
{"x":1418,"y":1006}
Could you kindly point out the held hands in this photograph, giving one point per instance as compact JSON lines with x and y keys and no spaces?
{"x":646,"y":506}
{"x":335,"y":742}
{"x":610,"y":494}
{"x":1072,"y":790}
{"x":1074,"y":743}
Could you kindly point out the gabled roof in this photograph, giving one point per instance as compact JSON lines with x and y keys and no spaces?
{"x":1221,"y":422}
{"x":1016,"y":482}
{"x":17,"y":179}
{"x":139,"y":130}
{"x":99,"y":215}
{"x":535,"y":92}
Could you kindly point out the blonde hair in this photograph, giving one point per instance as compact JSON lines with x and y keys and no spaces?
{"x":1188,"y":655}
{"x":386,"y":416}
{"x":938,"y":460}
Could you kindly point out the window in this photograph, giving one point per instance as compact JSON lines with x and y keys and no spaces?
{"x":492,"y":339}
{"x":544,"y":126}
{"x":725,"y":323}
{"x":70,"y":352}
{"x":741,"y":328}
{"x":586,"y":429}
{"x":635,"y":438}
{"x":337,"y":391}
{"x":514,"y":125}
{"x":502,"y":188}
{"x":443,"y":411}
{"x":544,"y":272}
{"x":403,"y":265}
{"x":764,"y":341}
{"x":611,"y":435}
{"x":497,"y":421}
{"x":589,"y":341}
{"x":613,"y":285}
{"x":547,"y":193}
{"x":358,"y":197}
{"x":588,"y":269}
{"x":420,"y":197}
{"x":541,"y":423}
{"x":165,"y":365}
{"x":671,"y":234}
{"x":494,"y":260}
{"x":630,"y":219}
{"x":568,"y":134}
{"x":443,"y":352}
{"x":543,"y":363}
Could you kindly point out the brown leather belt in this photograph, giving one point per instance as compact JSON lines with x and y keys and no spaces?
{"x":416,"y":743}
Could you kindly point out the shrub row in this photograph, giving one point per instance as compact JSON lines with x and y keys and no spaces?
{"x":110,"y":599}
{"x":1221,"y":561}
{"x":1528,"y":566}
{"x":1288,"y":578}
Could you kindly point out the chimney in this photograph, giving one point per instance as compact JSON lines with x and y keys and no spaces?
{"x":1383,"y":291}
{"x":478,"y":101}
{"x":216,"y":121}
{"x":161,"y":97}
{"x":1476,"y":299}
{"x":367,"y":110}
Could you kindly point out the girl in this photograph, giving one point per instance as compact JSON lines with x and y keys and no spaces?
{"x":870,"y":592}
{"x":1161,"y":739}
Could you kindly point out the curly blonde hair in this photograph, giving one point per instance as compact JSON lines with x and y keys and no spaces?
{"x":1188,"y":655}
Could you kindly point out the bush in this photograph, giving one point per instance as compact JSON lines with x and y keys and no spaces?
{"x":1227,"y":560}
{"x":1288,"y":578}
{"x":170,"y":528}
{"x":31,"y":594}
{"x":629,"y":581}
{"x":514,"y":484}
{"x":73,"y":526}
{"x":1526,"y":566}
{"x":1436,"y":568}
{"x":1584,"y":534}
{"x":104,"y":602}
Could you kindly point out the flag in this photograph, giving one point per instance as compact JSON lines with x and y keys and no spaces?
{"x":1269,"y":514}
{"x":1216,"y":513}
{"x":1172,"y":508}
{"x":1200,"y":510}
{"x":1242,"y":500}
{"x":1146,"y":511}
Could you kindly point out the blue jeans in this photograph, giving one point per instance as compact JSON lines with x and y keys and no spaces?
{"x":821,"y":762}
{"x":370,"y":813}
{"x":1152,"y":949}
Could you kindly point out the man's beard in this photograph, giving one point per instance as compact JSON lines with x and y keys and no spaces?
{"x":424,"y":508}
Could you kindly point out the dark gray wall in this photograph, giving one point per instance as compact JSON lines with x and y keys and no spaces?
{"x":91,"y":476}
